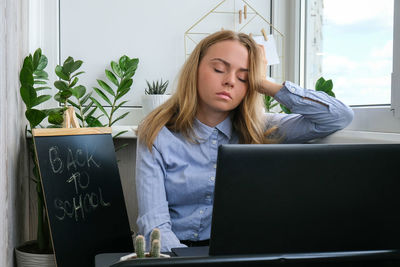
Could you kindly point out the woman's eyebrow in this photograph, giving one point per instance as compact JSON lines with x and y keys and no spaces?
{"x":227,"y":64}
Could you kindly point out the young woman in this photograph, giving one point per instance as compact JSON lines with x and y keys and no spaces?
{"x":218,"y":100}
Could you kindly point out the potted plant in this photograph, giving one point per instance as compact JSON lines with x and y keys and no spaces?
{"x":140,"y":247}
{"x":154,"y":96}
{"x":321,"y":85}
{"x":33,"y":78}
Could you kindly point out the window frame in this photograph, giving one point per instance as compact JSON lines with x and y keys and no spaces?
{"x":374,"y":118}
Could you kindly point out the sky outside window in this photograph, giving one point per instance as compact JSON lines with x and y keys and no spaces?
{"x":353,"y":46}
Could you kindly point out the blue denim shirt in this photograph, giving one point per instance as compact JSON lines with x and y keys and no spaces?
{"x":175,"y":182}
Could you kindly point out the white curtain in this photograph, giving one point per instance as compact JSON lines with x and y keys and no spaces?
{"x":14,"y":181}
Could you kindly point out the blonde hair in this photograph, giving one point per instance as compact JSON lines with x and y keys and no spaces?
{"x":179,"y":111}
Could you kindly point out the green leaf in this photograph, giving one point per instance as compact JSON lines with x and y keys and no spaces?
{"x":125,"y":83}
{"x":85,"y":98}
{"x":66,"y":94}
{"x":121,"y":146}
{"x":327,"y":86}
{"x":73,"y":103}
{"x":36,"y":58}
{"x":116,"y":69}
{"x":76,"y":65}
{"x":68,"y":65}
{"x":112,"y":77}
{"x":74,"y":82}
{"x":76,"y":74}
{"x":319,"y":83}
{"x":123,"y":62}
{"x":42,"y":88}
{"x":102,"y":95}
{"x":26,"y":77}
{"x":285,"y":109}
{"x":79,"y":91}
{"x":106,"y":87}
{"x":121,"y":93}
{"x":120,"y":118}
{"x":132,"y":66}
{"x":60,"y":73}
{"x":92,"y":111}
{"x":28,"y":65}
{"x":119,"y":105}
{"x":93,"y":122}
{"x":99,"y":106}
{"x":40,"y":74}
{"x":120,"y":133}
{"x":56,"y":118}
{"x":42,"y":63}
{"x":85,"y":109}
{"x":35,"y":116}
{"x":61,"y":85}
{"x":28,"y":95}
{"x":40,"y":99}
{"x":39,"y":82}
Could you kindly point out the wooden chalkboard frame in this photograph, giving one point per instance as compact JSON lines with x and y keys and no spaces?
{"x":122,"y":241}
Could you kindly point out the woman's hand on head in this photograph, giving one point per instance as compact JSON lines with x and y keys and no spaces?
{"x":267,"y":87}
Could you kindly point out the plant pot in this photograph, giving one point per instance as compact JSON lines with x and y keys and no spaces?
{"x":151,"y":102}
{"x":146,"y":256}
{"x":28,"y":257}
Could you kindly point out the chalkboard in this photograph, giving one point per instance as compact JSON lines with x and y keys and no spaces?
{"x":83,"y":194}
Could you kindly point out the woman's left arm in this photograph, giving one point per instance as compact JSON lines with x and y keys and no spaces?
{"x":314,"y":113}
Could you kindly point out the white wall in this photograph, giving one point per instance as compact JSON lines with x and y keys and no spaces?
{"x":98,"y":31}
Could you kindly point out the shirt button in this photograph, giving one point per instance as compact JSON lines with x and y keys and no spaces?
{"x":201,"y":211}
{"x":212,"y":178}
{"x":195,"y":235}
{"x":214,"y":142}
{"x":208,"y":197}
{"x":215,"y":166}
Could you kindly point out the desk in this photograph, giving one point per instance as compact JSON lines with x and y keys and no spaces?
{"x":379,"y":259}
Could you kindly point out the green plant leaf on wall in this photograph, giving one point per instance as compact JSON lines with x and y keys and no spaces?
{"x":35,"y":116}
{"x":28,"y":94}
{"x":40,"y":99}
{"x":60,"y":73}
{"x":79,"y":91}
{"x":61,"y":85}
{"x":26,"y":77}
{"x":112,"y":77}
{"x":106,"y":87}
{"x":42,"y":63}
{"x":102,"y":95}
{"x":116,"y":69}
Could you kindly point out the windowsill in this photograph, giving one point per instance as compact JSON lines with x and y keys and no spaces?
{"x":359,"y":137}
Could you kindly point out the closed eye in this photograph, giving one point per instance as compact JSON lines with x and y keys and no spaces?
{"x":242,"y":80}
{"x":217,"y":70}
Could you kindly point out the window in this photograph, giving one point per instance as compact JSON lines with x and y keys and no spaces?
{"x":350,"y":42}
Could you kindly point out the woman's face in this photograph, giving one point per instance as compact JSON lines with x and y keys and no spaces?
{"x":222,"y":78}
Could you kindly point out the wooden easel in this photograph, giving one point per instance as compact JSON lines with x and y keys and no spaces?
{"x":70,"y":120}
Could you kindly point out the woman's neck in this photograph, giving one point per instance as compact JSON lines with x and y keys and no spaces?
{"x":211,"y":119}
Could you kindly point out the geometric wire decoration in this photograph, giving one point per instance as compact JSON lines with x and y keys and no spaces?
{"x":238,"y":16}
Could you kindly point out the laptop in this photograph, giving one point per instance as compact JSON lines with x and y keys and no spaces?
{"x":305,"y":200}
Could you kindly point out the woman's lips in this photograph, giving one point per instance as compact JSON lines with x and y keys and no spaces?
{"x":224,"y":95}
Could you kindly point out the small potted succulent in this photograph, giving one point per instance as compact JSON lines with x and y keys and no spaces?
{"x":140,"y":247}
{"x":154,"y":95}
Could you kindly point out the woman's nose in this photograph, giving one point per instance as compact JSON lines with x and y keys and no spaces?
{"x":229,"y":79}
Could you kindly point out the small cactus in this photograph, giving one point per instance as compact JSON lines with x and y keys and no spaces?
{"x":155,"y":249}
{"x":155,"y":243}
{"x":155,"y":234}
{"x":140,"y":246}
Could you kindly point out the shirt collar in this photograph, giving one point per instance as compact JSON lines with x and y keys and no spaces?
{"x":203,"y":132}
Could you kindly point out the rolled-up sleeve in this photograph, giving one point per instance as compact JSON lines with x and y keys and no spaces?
{"x":315,"y":114}
{"x":151,"y":197}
